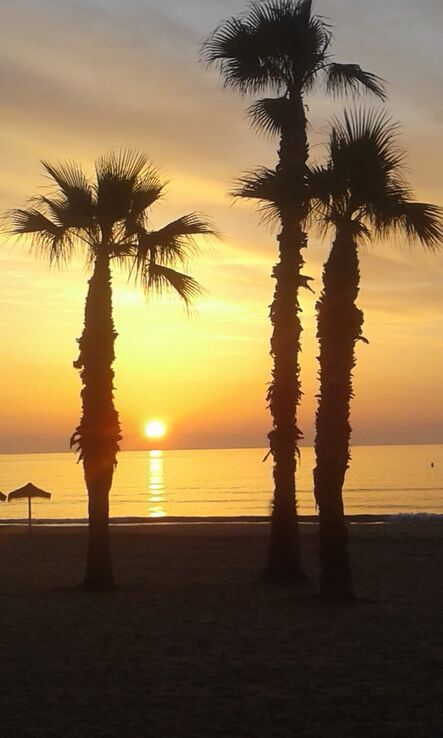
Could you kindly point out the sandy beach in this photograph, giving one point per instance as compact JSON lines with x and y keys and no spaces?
{"x":194,"y":644}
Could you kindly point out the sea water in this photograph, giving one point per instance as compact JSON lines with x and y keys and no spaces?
{"x":148,"y":485}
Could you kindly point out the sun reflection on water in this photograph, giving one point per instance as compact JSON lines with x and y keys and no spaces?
{"x":156,"y":485}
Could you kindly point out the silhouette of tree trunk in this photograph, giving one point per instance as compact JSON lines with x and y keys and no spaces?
{"x":284,"y":557}
{"x":98,"y":433}
{"x":339,"y":328}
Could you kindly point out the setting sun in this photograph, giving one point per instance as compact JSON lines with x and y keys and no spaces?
{"x":155,"y":429}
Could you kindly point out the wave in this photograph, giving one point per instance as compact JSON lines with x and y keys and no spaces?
{"x":390,"y":489}
{"x":188,"y":519}
{"x":416,"y":515}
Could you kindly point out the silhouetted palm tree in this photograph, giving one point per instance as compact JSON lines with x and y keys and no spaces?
{"x":362,"y":195}
{"x":281,"y":47}
{"x":107,"y":221}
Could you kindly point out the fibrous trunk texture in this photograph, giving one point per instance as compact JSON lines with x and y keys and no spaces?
{"x":98,"y":433}
{"x":339,"y":328}
{"x":284,"y":558}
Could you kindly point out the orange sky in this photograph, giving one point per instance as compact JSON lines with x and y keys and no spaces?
{"x":82,"y":77}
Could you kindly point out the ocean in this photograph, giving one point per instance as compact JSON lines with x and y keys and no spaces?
{"x":234,"y":483}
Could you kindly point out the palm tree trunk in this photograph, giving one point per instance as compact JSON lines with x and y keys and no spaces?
{"x":98,"y":433}
{"x":339,"y":328}
{"x":284,"y":557}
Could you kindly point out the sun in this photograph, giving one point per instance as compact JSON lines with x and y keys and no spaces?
{"x":155,"y":429}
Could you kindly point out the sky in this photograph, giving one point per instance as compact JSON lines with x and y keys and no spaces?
{"x":78,"y":78}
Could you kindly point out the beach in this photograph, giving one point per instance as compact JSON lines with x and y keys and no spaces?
{"x":193,"y":643}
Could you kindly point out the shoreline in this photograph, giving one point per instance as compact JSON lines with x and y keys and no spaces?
{"x":360,"y":527}
{"x":214,"y":520}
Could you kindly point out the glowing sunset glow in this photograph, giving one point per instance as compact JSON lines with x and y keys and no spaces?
{"x":155,"y":429}
{"x":207,"y":365}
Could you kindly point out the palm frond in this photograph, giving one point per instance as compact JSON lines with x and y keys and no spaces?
{"x":362,"y":124}
{"x":148,"y":190}
{"x":267,"y":186}
{"x":47,"y":238}
{"x":157,"y":277}
{"x":73,"y":184}
{"x":146,"y":195}
{"x":344,"y":78}
{"x":120,"y":175}
{"x":260,"y":184}
{"x":304,"y":8}
{"x":235,"y":49}
{"x":321,"y":187}
{"x":123,"y":164}
{"x":69,"y":177}
{"x":424,"y":222}
{"x":270,"y":114}
{"x":321,"y":182}
{"x":365,"y":156}
{"x":21,"y":221}
{"x":66,"y":213}
{"x":310,"y":49}
{"x":175,"y":242}
{"x":417,"y":221}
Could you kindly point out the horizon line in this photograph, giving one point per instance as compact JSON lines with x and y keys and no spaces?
{"x":215,"y":448}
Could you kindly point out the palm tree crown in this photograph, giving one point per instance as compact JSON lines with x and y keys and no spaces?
{"x":362,"y":187}
{"x":280,"y":46}
{"x":109,"y":218}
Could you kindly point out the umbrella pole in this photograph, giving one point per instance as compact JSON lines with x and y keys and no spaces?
{"x":29,"y":517}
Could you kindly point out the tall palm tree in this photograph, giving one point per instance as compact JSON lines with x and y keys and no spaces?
{"x":107,"y":221}
{"x":281,"y":47}
{"x":361,"y":194}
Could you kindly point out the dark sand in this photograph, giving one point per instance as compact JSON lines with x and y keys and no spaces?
{"x":192,"y":644}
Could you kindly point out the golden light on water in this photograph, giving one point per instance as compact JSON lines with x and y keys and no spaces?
{"x":156,"y":485}
{"x":155,"y":429}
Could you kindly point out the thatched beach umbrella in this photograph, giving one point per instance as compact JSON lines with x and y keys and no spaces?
{"x":2,"y":497}
{"x":28,"y":492}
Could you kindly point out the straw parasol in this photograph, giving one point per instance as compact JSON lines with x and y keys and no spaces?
{"x":28,"y":492}
{"x":2,"y":497}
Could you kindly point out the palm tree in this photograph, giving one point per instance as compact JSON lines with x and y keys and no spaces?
{"x":107,"y":221}
{"x":362,"y":195}
{"x":281,"y":47}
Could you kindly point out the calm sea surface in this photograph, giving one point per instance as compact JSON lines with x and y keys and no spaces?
{"x":226,"y":482}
